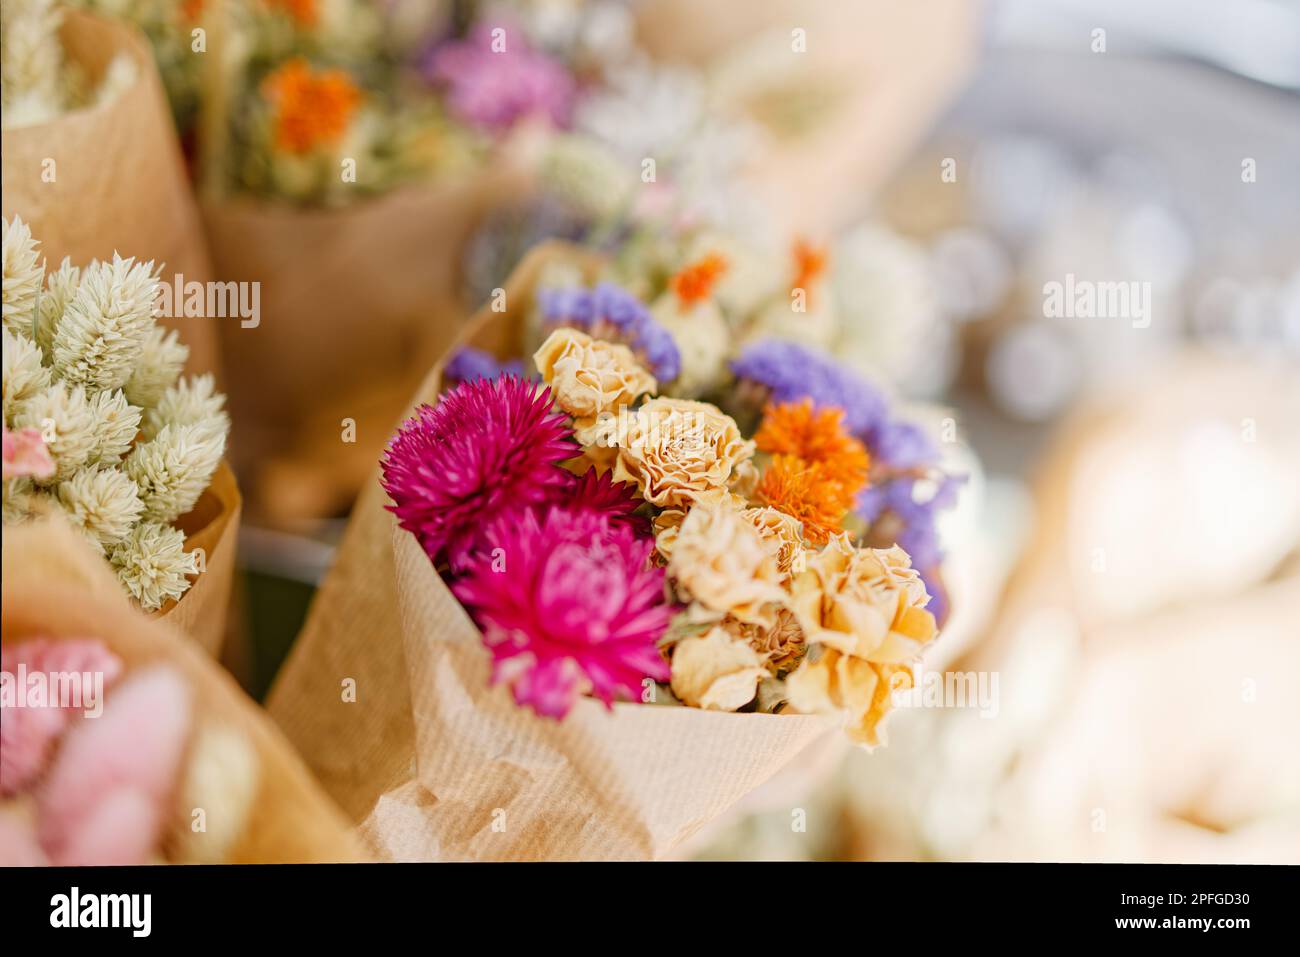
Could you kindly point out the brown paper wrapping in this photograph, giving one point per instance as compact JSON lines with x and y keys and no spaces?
{"x":430,"y":757}
{"x":212,"y":525}
{"x":56,"y":587}
{"x":356,"y":303}
{"x":842,"y":115}
{"x":120,"y":185}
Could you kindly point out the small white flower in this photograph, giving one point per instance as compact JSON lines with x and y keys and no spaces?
{"x":23,"y":272}
{"x":116,"y":425}
{"x":104,"y":502}
{"x":66,"y":419}
{"x":159,"y":367}
{"x":173,"y":468}
{"x":24,"y":376}
{"x":152,"y":563}
{"x":190,"y":402}
{"x":60,"y":287}
{"x":101,"y":335}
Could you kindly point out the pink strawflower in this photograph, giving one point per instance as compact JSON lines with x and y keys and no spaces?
{"x":570,"y":606}
{"x":600,"y":494}
{"x":28,"y":734}
{"x":489,"y":448}
{"x":24,"y":453}
{"x":107,"y":799}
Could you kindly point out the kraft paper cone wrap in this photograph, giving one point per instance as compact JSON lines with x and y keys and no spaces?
{"x":838,"y":118}
{"x":351,"y":297}
{"x":55,"y":587}
{"x":429,"y":751}
{"x":120,"y":180}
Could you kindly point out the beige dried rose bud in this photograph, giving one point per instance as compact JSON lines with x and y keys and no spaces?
{"x":669,"y":522}
{"x":720,"y":562}
{"x":865,"y":602}
{"x":590,"y":377}
{"x":783,"y":536}
{"x":676,"y":450}
{"x":863,"y":690}
{"x":717,"y":670}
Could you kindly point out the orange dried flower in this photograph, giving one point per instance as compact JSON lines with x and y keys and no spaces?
{"x":191,"y":10}
{"x":304,"y":12}
{"x":809,"y":263}
{"x":695,"y":281}
{"x":312,"y":107}
{"x":804,"y":491}
{"x":817,"y":437}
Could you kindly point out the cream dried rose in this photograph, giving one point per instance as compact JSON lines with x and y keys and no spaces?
{"x":719,"y":562}
{"x":783,"y":536}
{"x":676,"y":450}
{"x":669,"y":522}
{"x":717,"y":670}
{"x":865,"y":602}
{"x":862,"y":689}
{"x":590,"y":377}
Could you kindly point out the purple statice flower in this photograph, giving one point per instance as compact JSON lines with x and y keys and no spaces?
{"x":917,"y":525}
{"x":470,"y":365}
{"x":901,"y":446}
{"x":610,"y":311}
{"x":494,"y":88}
{"x":791,"y":372}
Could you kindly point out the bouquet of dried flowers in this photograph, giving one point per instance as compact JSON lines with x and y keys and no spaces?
{"x":99,"y":424}
{"x":690,"y":505}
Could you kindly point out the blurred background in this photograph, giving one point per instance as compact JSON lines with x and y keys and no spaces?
{"x":1125,"y":558}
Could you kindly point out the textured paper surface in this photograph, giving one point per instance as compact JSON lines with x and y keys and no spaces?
{"x":428,"y":752}
{"x":120,"y":182}
{"x":350,"y":298}
{"x":56,"y":587}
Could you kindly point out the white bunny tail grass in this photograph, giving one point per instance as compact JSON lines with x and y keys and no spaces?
{"x":103,"y":502}
{"x":116,"y":424}
{"x":23,"y":274}
{"x":152,"y":563}
{"x":60,"y":287}
{"x":24,"y":376}
{"x":173,"y":468}
{"x":66,"y":418}
{"x":193,"y":401}
{"x":102,"y":332}
{"x":159,"y":367}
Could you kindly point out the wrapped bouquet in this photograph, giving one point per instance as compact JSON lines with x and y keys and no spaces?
{"x":668,"y":506}
{"x":102,"y":430}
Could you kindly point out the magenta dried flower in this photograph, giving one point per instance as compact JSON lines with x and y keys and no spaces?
{"x":569,"y":604}
{"x":489,"y":448}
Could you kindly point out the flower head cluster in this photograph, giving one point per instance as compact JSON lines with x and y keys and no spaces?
{"x":790,"y":372}
{"x":577,"y":609}
{"x":126,"y":445}
{"x":493,"y":80}
{"x":611,"y":312}
{"x":489,"y":447}
{"x":312,"y":107}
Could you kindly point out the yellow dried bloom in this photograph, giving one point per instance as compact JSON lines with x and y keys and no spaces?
{"x":676,"y":450}
{"x":717,"y":670}
{"x":720,"y":562}
{"x":590,"y":377}
{"x":863,"y":690}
